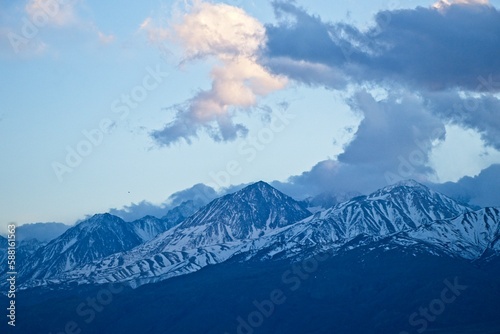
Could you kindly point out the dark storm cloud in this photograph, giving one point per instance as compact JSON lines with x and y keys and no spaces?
{"x":424,"y":48}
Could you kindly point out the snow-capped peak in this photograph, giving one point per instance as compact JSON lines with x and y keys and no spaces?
{"x":245,"y":214}
{"x":405,"y":185}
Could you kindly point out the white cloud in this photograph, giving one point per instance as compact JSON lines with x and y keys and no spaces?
{"x":220,"y":30}
{"x":233,"y":37}
{"x":57,"y":13}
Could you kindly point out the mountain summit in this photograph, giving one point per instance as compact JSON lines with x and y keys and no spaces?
{"x":398,"y":207}
{"x":245,"y":214}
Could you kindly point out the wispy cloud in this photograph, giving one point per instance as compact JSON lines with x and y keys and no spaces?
{"x":59,"y":13}
{"x":22,"y":26}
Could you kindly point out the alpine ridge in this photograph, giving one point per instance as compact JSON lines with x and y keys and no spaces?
{"x":91,"y":240}
{"x":260,"y":223}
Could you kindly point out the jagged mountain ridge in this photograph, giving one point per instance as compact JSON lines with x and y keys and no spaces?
{"x":250,"y":224}
{"x":245,"y":214}
{"x":473,"y":236}
{"x":469,"y":236}
{"x":402,"y":206}
{"x":212,"y":235}
{"x":90,"y":240}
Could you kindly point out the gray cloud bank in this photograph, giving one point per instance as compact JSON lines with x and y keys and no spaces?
{"x":439,"y":66}
{"x":422,"y":48}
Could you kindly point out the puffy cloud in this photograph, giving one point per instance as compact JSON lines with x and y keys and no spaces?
{"x":392,"y":142}
{"x":321,"y":178}
{"x":234,"y":38}
{"x":136,"y":211}
{"x":218,"y":30}
{"x":391,"y":130}
{"x":198,"y":193}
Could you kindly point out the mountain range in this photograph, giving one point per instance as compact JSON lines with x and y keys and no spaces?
{"x":395,"y":232}
{"x":260,"y":223}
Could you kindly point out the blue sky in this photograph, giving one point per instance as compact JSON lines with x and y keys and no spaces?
{"x":105,"y":105}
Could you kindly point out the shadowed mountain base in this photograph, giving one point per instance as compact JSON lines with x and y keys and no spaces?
{"x":354,"y":292}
